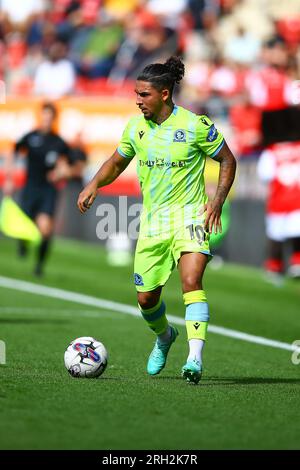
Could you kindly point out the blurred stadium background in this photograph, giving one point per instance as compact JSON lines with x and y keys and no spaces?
{"x":242,"y":69}
{"x":242,"y":61}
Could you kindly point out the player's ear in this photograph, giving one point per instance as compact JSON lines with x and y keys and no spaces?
{"x":165,"y":94}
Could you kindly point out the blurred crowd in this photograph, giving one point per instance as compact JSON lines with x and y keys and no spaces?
{"x":242,"y":60}
{"x":236,"y":52}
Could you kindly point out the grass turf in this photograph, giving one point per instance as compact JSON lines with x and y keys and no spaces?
{"x":248,"y":397}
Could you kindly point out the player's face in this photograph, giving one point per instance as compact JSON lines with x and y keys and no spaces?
{"x":47,"y":119}
{"x":149,"y":100}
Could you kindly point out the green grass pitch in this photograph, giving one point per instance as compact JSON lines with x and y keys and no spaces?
{"x":248,"y":397}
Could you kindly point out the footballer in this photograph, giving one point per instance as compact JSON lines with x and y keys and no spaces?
{"x":170,"y":144}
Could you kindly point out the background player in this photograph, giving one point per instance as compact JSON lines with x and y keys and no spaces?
{"x":49,"y":161}
{"x":279,"y":167}
{"x":171,"y":144}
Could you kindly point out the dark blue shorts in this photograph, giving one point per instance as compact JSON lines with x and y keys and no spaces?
{"x":37,"y":200}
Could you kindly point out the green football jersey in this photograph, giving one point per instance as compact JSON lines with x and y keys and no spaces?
{"x":170,"y":165}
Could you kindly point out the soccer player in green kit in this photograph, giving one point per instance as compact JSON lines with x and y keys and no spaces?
{"x":170,"y":144}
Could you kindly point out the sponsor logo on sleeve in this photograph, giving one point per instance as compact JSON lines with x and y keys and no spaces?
{"x":212,"y":134}
{"x":138,"y":280}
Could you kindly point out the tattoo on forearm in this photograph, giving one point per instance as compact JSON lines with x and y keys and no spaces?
{"x":221,"y":193}
{"x":226,"y":175}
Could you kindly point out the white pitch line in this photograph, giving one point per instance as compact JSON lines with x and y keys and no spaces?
{"x":55,"y":293}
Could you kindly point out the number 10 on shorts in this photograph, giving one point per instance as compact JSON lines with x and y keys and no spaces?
{"x":197,"y":232}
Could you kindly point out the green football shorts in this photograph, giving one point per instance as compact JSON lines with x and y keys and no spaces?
{"x":156,"y":257}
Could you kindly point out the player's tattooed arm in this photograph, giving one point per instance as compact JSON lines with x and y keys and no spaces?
{"x":226,"y":178}
{"x":108,"y":172}
{"x":226,"y":174}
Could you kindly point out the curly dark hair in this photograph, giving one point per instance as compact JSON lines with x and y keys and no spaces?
{"x":163,"y":75}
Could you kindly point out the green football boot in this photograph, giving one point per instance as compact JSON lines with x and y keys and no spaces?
{"x":192,"y":371}
{"x":158,"y":357}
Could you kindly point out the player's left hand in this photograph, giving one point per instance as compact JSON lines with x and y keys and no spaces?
{"x":87,"y":197}
{"x":213,"y":212}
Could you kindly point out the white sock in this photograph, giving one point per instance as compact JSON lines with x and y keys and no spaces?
{"x":196,"y":346}
{"x":166,"y":336}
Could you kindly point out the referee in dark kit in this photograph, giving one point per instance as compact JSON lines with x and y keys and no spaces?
{"x":49,"y":161}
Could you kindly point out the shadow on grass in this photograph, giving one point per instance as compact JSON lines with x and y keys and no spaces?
{"x":250,"y":380}
{"x":233,"y":381}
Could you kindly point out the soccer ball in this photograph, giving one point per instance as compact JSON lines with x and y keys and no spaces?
{"x":86,"y":357}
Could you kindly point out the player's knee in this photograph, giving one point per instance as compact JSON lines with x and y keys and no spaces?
{"x":191,"y":283}
{"x":46,"y":232}
{"x":148,"y":299}
{"x":45,"y":225}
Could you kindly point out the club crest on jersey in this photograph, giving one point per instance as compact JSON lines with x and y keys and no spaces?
{"x":179,"y":136}
{"x":212,"y":134}
{"x":138,"y":280}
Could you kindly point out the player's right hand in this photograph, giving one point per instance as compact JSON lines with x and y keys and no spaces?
{"x":87,"y":197}
{"x":213,"y":211}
